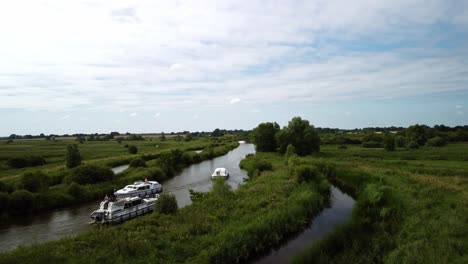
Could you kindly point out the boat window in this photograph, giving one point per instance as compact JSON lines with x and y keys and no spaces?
{"x":106,"y":204}
{"x":141,"y":188}
{"x":127,"y":205}
{"x":147,"y":187}
{"x":137,"y":202}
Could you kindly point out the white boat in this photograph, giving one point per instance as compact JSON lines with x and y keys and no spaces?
{"x":220,"y":173}
{"x":140,"y":189}
{"x":117,"y":211}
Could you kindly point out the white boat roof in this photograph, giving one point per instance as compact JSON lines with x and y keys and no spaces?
{"x":221,"y":169}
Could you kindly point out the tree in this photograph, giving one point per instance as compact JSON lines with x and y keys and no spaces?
{"x":73,"y":157}
{"x":167,"y":204}
{"x":217,"y":133}
{"x":263,"y":136}
{"x":400,"y":141}
{"x":418,"y":133}
{"x":301,"y":135}
{"x":132,"y":149}
{"x":389,"y":143}
{"x":163,"y":136}
{"x":188,"y":137}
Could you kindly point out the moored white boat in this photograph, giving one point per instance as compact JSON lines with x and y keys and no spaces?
{"x":140,"y":189}
{"x":220,"y":173}
{"x":117,"y":211}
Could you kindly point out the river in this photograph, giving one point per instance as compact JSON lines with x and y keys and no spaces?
{"x":53,"y":225}
{"x":65,"y":222}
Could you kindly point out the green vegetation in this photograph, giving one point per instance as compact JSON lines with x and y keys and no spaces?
{"x":31,"y":161}
{"x":132,"y":149}
{"x":299,"y":134}
{"x":49,"y":186}
{"x":411,"y":191}
{"x":221,"y":226}
{"x":407,"y":211}
{"x":73,"y":158}
{"x":167,"y":204}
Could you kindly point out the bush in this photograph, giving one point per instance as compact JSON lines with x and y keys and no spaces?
{"x":32,"y":161}
{"x":132,"y":149}
{"x":75,"y":190}
{"x":135,"y":163}
{"x":254,"y":165}
{"x":307,"y":173}
{"x":4,"y":201}
{"x":400,"y":141}
{"x":6,"y":187}
{"x":197,"y":158}
{"x":436,"y":142}
{"x":371,"y":144}
{"x":413,"y":145}
{"x":34,"y":182}
{"x":166,"y":204}
{"x":290,"y":151}
{"x":21,"y":200}
{"x":156,"y":174}
{"x":389,"y":143}
{"x":90,"y":174}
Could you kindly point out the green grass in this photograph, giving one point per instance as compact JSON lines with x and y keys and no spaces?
{"x":99,"y":152}
{"x":408,"y":210}
{"x":164,"y":163}
{"x":221,"y":227}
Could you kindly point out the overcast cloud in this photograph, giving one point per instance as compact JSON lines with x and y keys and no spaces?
{"x":93,"y":58}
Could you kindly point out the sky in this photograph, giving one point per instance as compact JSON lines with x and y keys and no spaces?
{"x":144,"y":66}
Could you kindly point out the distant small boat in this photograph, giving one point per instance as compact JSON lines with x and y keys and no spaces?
{"x":140,"y":189}
{"x":220,"y":173}
{"x":117,"y":211}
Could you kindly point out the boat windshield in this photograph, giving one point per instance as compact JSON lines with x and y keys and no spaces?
{"x":130,"y":187}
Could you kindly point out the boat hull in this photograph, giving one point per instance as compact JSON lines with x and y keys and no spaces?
{"x":142,"y":194}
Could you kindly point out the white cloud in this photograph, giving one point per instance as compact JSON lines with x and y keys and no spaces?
{"x":347,"y":113}
{"x":234,"y":100}
{"x":256,"y":110}
{"x":65,"y":117}
{"x":165,"y":55}
{"x":460,"y":112}
{"x":459,"y":106}
{"x":84,"y":118}
{"x":133,"y":114}
{"x":157,"y":115}
{"x":196,"y":116}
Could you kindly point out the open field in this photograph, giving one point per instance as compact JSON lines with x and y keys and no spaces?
{"x":100,"y":152}
{"x":412,"y":206}
{"x":51,"y":186}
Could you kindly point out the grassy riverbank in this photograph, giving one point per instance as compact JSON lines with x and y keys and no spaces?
{"x":412,"y":206}
{"x":61,"y":187}
{"x":220,"y":226}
